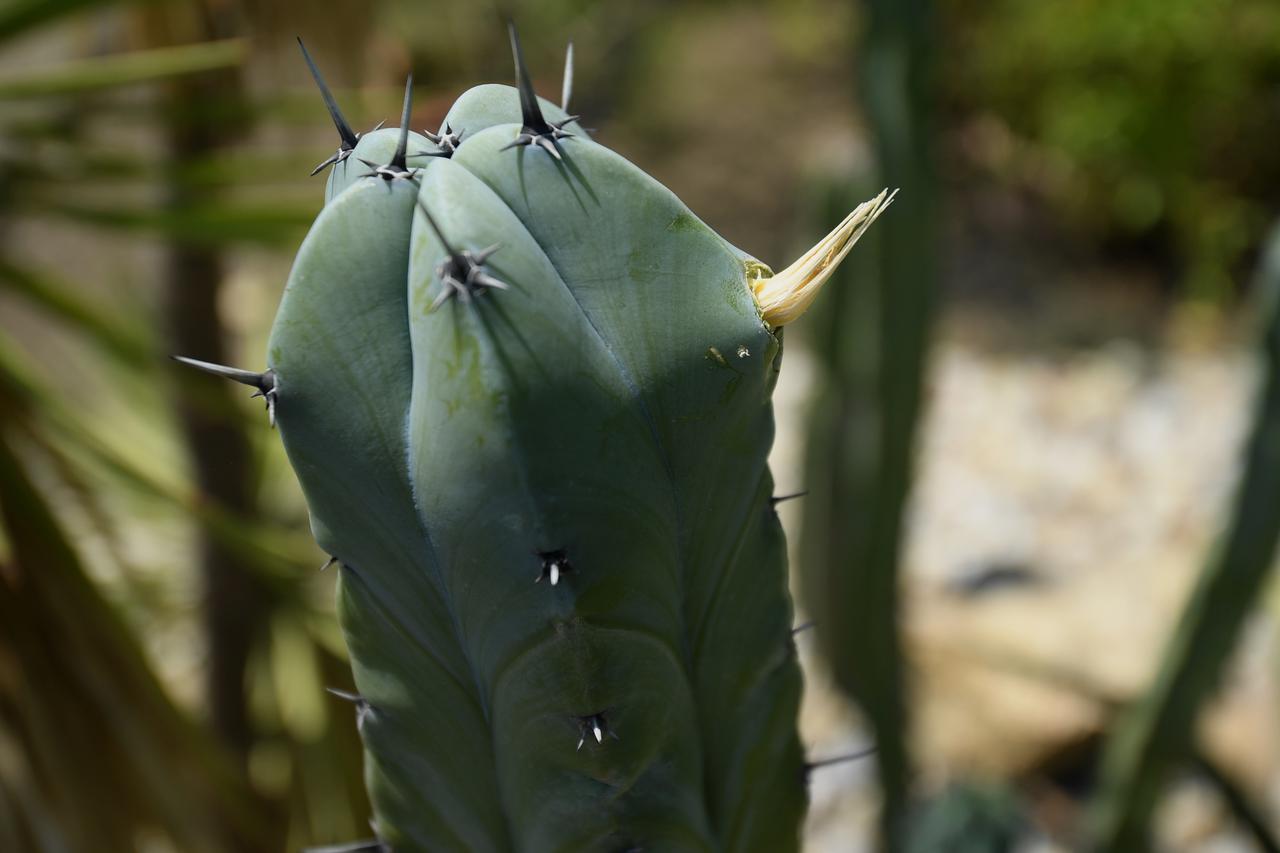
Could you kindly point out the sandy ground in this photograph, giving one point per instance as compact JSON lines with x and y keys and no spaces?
{"x":1096,"y":481}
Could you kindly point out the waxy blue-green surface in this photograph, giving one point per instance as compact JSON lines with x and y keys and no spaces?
{"x":613,"y":404}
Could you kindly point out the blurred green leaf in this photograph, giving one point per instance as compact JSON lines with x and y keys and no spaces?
{"x":70,"y":655}
{"x":214,"y":224}
{"x":968,"y":818}
{"x":21,"y":16}
{"x":1155,"y":735}
{"x":873,"y":348}
{"x":274,"y":553}
{"x":125,"y":69}
{"x":1148,"y":119}
{"x":59,"y":299}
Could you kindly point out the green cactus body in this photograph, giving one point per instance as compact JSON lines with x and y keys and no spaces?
{"x":612,"y":405}
{"x":542,"y":470}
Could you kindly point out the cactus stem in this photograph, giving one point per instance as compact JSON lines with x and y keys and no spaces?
{"x":265,"y":382}
{"x":777,"y":499}
{"x":446,"y":139}
{"x":784,"y":296}
{"x":554,"y":564}
{"x":535,"y":129}
{"x":566,"y":89}
{"x":347,"y":138}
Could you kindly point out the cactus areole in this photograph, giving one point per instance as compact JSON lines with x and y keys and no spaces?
{"x":527,"y":395}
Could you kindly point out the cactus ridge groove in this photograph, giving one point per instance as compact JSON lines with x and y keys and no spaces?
{"x":636,"y":397}
{"x":402,"y":627}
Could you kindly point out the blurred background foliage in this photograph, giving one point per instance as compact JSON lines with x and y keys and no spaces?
{"x":1071,"y":172}
{"x":1148,"y":126}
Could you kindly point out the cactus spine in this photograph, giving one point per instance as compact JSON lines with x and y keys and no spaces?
{"x":526,"y":393}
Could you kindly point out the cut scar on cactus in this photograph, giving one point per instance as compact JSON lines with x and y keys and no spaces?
{"x":265,"y":382}
{"x":786,"y":295}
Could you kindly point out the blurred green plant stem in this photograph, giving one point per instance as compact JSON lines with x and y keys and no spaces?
{"x":874,"y":352}
{"x":1154,"y":737}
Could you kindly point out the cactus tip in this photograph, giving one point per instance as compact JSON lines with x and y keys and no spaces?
{"x":786,"y":295}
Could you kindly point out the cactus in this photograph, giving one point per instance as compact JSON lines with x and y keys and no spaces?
{"x":526,"y":394}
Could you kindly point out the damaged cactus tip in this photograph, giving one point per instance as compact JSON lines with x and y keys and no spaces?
{"x":467,"y":423}
{"x":785,"y":295}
